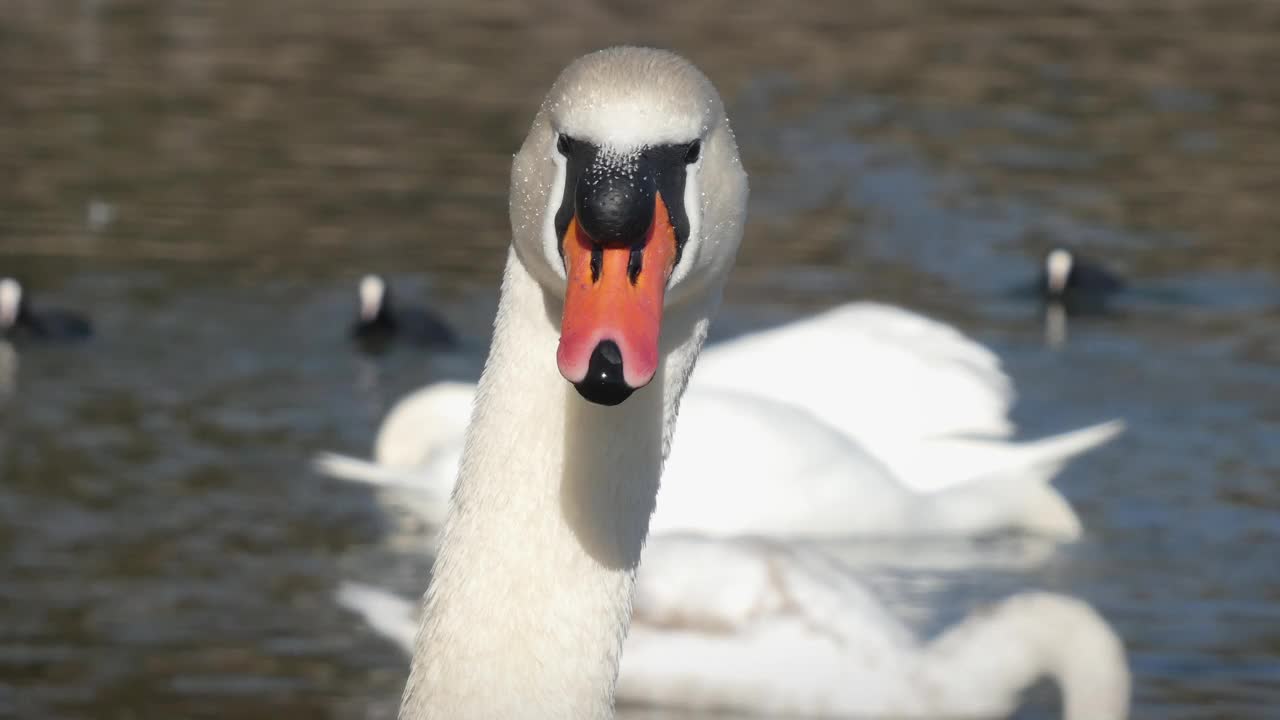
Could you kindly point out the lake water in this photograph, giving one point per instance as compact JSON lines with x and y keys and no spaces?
{"x":208,"y":179}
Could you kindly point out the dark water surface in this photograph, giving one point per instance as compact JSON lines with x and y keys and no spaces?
{"x":208,"y":179}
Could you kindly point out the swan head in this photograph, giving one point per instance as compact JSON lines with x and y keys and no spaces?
{"x":1057,"y":270}
{"x":627,"y":199}
{"x":373,"y":296}
{"x":10,"y":302}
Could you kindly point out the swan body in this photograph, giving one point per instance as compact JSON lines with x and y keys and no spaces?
{"x":742,"y":464}
{"x":792,"y":455}
{"x":783,"y":630}
{"x":627,"y":201}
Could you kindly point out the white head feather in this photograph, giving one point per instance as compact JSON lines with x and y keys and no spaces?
{"x":626,"y":99}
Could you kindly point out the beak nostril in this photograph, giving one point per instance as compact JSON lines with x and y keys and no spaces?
{"x":597,"y":261}
{"x":635,"y":263}
{"x":609,"y":351}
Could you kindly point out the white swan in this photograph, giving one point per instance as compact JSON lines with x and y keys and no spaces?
{"x":921,"y":447}
{"x":742,"y":464}
{"x":912,"y":378}
{"x":771,"y":629}
{"x":627,"y":203}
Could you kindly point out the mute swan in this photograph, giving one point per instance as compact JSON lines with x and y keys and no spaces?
{"x":794,"y":477}
{"x":929,"y":403}
{"x":627,"y":202}
{"x":741,"y":464}
{"x":914,"y":377}
{"x":19,"y":319}
{"x":772,"y":629}
{"x":380,"y":321}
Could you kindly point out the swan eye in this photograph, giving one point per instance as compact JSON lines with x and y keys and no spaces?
{"x":691,"y":155}
{"x":563,"y":144}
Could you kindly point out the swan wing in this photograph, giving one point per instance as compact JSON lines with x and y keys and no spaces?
{"x":741,"y":464}
{"x":889,"y":373}
{"x":933,"y":464}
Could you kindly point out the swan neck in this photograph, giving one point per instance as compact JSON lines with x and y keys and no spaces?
{"x":1033,"y":635}
{"x":531,"y":595}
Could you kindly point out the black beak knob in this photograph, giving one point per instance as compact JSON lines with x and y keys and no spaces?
{"x":615,"y":206}
{"x":604,"y":384}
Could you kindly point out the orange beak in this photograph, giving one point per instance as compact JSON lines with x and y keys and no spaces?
{"x":615,"y":293}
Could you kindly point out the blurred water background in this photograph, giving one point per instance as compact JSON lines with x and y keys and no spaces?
{"x":208,"y":178}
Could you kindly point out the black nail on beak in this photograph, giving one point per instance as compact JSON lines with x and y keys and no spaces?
{"x":604,"y":383}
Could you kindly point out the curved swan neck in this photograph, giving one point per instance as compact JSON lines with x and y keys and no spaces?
{"x":1033,"y":635}
{"x":554,"y":508}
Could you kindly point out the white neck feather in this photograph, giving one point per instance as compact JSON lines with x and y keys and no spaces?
{"x":531,"y":595}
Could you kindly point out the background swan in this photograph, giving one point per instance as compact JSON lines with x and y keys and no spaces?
{"x":627,"y":201}
{"x":745,"y":462}
{"x":742,"y":464}
{"x":930,"y":403}
{"x":907,"y":376}
{"x":783,"y":630}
